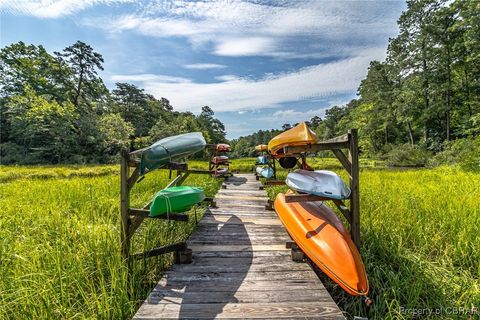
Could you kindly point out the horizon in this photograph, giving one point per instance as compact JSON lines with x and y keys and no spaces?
{"x":257,"y":65}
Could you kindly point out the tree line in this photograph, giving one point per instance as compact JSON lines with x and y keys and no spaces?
{"x":55,"y":108}
{"x":424,"y":99}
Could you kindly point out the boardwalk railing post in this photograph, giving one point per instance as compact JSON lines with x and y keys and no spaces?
{"x":124,"y":207}
{"x":354,"y":187}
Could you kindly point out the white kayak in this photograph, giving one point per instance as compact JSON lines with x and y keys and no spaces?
{"x":322,"y":183}
{"x":265,"y":172}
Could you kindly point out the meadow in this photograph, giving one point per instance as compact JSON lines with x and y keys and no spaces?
{"x":59,"y":242}
{"x":60,"y":251}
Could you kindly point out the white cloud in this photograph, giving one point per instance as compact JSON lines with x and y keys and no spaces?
{"x":303,"y":29}
{"x":204,"y":66}
{"x":147,"y":77}
{"x":236,"y":94}
{"x":292,"y":116}
{"x":236,"y":47}
{"x":50,"y":8}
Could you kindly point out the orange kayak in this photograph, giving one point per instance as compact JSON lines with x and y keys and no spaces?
{"x":324,"y":239}
{"x":301,"y":135}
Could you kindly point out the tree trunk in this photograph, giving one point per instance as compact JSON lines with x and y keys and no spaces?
{"x":410,"y":133}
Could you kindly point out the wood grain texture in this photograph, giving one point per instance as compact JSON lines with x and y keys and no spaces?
{"x":241,"y":267}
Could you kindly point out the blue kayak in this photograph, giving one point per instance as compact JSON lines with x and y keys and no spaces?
{"x":265,"y":172}
{"x":262,"y":160}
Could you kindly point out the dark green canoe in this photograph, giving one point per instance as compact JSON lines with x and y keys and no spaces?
{"x":169,"y":150}
{"x":175,"y":199}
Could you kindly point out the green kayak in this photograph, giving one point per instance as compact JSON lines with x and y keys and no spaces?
{"x":175,"y":199}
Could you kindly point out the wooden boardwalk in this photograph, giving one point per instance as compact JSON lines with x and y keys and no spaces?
{"x":241,"y":267}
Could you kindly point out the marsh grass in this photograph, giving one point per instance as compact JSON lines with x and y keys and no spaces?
{"x":420,"y":242}
{"x":60,"y":250}
{"x":59,"y":246}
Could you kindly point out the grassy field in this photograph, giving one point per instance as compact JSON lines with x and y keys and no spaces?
{"x":59,"y":241}
{"x":420,"y":242}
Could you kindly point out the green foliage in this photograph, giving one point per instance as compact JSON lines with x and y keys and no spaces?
{"x":56,"y":109}
{"x":464,"y":152}
{"x":426,"y":92}
{"x":116,"y":133}
{"x":407,"y":156}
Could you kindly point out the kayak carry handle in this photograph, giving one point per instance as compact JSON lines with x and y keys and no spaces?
{"x":368,"y":302}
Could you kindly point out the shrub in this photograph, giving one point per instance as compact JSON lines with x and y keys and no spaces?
{"x":407,"y":156}
{"x":463,"y":152}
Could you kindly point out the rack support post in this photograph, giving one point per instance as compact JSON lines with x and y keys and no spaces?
{"x":124,"y":207}
{"x":354,"y":187}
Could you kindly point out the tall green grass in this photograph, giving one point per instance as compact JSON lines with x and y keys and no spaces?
{"x":59,"y":246}
{"x":420,"y":242}
{"x":60,"y":250}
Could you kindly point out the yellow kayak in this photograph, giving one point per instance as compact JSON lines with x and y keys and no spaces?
{"x":261,"y":147}
{"x":301,"y":135}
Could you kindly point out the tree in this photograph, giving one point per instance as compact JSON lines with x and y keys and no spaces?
{"x":116,"y":133}
{"x":84,"y":62}
{"x":43,"y":128}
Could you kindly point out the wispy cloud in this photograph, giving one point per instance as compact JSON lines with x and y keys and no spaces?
{"x":242,"y":28}
{"x":204,"y":66}
{"x":148,"y":78}
{"x":50,"y":8}
{"x":235,"y":94}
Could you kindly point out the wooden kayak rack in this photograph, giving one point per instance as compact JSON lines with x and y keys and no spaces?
{"x":349,"y":162}
{"x":132,"y":218}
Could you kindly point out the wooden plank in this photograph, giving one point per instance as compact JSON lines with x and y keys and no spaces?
{"x":279,"y":247}
{"x":289,"y":198}
{"x":343,"y":160}
{"x":216,"y":219}
{"x":253,"y":199}
{"x":239,"y":311}
{"x":239,"y":268}
{"x":185,"y":296}
{"x":245,"y":285}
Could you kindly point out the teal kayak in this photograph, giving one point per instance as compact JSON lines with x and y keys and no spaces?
{"x":169,"y":150}
{"x":175,"y":199}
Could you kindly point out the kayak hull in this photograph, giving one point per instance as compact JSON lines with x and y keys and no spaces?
{"x":301,"y":135}
{"x":223,"y":147}
{"x":320,"y":234}
{"x":322,"y":183}
{"x":170,"y":149}
{"x":175,"y":199}
{"x":261,"y":147}
{"x":220,"y":160}
{"x":265,"y":172}
{"x":262,"y":160}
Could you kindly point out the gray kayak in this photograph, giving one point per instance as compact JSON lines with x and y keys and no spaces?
{"x":322,"y":183}
{"x":169,"y":150}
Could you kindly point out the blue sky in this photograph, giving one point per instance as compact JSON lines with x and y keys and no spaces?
{"x":257,"y":64}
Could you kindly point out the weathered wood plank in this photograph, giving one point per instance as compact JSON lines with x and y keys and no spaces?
{"x":245,"y":285}
{"x":240,"y":311}
{"x":185,"y":296}
{"x":279,"y":247}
